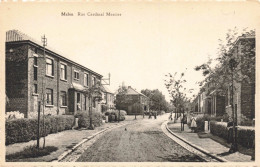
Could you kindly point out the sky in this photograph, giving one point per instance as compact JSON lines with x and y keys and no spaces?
{"x":139,"y":47}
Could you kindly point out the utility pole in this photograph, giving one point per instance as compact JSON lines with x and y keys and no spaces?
{"x":44,"y":42}
{"x":38,"y":126}
{"x":234,"y":146}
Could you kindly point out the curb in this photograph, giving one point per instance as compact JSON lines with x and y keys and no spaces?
{"x":195,"y":146}
{"x":66,"y":153}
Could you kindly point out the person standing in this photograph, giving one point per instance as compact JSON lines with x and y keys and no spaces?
{"x":193,"y":124}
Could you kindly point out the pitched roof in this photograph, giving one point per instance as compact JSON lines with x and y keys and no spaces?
{"x":18,"y":36}
{"x":105,"y":89}
{"x":131,"y":91}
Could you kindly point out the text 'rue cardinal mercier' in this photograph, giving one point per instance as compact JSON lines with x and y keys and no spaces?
{"x":90,"y":14}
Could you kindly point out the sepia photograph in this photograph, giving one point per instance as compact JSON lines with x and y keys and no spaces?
{"x":172,"y":83}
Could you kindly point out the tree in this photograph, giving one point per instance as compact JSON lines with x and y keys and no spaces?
{"x":121,"y":99}
{"x":244,"y":70}
{"x":94,"y":94}
{"x":178,"y":92}
{"x":235,"y":62}
{"x":157,"y":100}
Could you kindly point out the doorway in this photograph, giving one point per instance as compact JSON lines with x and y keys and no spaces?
{"x":78,"y":101}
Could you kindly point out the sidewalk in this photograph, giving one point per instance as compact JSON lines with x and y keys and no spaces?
{"x":208,"y":144}
{"x":63,"y":141}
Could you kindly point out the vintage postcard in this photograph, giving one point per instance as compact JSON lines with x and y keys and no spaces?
{"x":138,"y":83}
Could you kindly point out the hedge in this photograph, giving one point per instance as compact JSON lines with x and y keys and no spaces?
{"x":219,"y":129}
{"x":245,"y":136}
{"x":112,"y":118}
{"x":24,"y":130}
{"x":200,"y":120}
{"x":84,"y":121}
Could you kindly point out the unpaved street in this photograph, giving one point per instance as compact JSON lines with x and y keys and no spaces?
{"x":140,"y":142}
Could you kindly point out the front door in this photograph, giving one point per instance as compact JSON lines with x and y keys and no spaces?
{"x":78,"y":102}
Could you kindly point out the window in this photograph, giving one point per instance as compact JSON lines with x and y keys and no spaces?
{"x":85,"y":79}
{"x":63,"y":98}
{"x":35,"y":61}
{"x":78,"y":102}
{"x":36,"y":50}
{"x":105,"y":97}
{"x":93,"y":80}
{"x":35,"y":89}
{"x":49,"y":67}
{"x":63,"y":72}
{"x":35,"y":72}
{"x":76,"y":75}
{"x":49,"y":96}
{"x":35,"y":68}
{"x":85,"y":100}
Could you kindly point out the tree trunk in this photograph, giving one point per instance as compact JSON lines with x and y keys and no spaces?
{"x":91,"y":127}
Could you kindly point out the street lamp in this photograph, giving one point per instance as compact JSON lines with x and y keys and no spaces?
{"x":233,"y":148}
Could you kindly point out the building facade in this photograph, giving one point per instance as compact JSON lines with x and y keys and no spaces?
{"x":211,"y":101}
{"x":50,"y":78}
{"x":136,"y":103}
{"x":244,"y":91}
{"x":108,"y":98}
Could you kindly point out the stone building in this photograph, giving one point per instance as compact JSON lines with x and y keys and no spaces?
{"x":30,"y":75}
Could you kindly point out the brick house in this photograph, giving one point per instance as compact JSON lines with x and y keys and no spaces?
{"x":134,"y":97}
{"x":108,"y":98}
{"x":244,"y":92}
{"x":29,"y":75}
{"x":211,"y":101}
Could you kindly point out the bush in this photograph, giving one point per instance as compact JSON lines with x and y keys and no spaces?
{"x":114,"y":114}
{"x":219,"y":129}
{"x":200,"y":120}
{"x":218,"y":119}
{"x":24,"y":130}
{"x":245,"y":136}
{"x":84,"y":121}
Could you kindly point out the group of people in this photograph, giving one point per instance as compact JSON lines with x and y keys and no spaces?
{"x":184,"y":121}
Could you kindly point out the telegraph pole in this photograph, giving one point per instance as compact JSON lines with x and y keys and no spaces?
{"x":44,"y":42}
{"x":234,"y":146}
